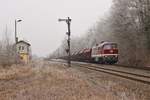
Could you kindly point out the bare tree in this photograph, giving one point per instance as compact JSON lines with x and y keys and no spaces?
{"x":7,"y":54}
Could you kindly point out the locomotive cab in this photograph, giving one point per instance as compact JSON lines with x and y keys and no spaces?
{"x":110,"y":53}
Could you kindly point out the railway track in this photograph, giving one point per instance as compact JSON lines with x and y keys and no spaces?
{"x":124,"y":74}
{"x":135,"y":76}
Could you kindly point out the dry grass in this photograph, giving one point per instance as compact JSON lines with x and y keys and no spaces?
{"x":45,"y":82}
{"x":117,"y":88}
{"x":54,"y":81}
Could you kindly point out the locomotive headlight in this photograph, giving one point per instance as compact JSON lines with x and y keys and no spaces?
{"x":111,"y":51}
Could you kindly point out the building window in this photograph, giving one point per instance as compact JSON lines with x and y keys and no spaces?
{"x":22,"y":47}
{"x":19,"y":47}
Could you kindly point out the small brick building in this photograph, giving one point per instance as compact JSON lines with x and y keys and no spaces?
{"x":23,"y":51}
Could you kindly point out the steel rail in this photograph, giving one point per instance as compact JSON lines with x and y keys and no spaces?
{"x":126,"y":75}
{"x":131,"y":73}
{"x":123,"y":74}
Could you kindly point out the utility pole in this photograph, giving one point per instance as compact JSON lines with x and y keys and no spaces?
{"x":16,"y":31}
{"x":68,"y":21}
{"x":16,"y":38}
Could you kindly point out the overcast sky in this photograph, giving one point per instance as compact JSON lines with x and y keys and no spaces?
{"x":40,"y":24}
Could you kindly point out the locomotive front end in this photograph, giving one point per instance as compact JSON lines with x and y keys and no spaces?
{"x":106,"y":52}
{"x":110,"y":53}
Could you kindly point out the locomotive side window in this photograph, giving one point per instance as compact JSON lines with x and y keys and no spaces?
{"x":94,"y":51}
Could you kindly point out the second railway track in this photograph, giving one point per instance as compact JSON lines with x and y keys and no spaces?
{"x":135,"y":76}
{"x":124,"y":74}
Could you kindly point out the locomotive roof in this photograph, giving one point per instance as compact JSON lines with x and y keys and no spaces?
{"x":101,"y":44}
{"x":107,"y":43}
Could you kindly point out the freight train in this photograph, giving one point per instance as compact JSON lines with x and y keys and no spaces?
{"x":104,"y":53}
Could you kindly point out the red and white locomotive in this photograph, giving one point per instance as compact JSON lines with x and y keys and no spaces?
{"x":106,"y":52}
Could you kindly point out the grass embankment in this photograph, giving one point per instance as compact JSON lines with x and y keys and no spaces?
{"x":44,"y":81}
{"x":54,"y":81}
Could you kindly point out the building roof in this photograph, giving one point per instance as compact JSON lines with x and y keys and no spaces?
{"x":21,"y":41}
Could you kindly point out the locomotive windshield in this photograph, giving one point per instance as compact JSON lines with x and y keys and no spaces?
{"x":110,"y":46}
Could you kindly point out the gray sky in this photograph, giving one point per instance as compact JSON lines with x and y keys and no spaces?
{"x":40,"y":24}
